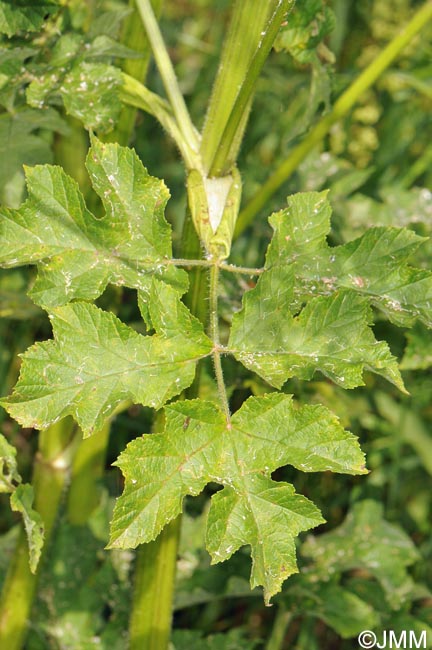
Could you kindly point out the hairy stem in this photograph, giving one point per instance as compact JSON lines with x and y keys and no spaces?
{"x":340,"y":109}
{"x":167,"y":73}
{"x":57,"y":446}
{"x":250,"y":35}
{"x":231,"y":136}
{"x":242,"y":270}
{"x":133,"y":93}
{"x":230,"y":268}
{"x":214,"y":334}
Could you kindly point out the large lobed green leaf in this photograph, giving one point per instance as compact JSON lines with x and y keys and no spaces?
{"x":310,"y":308}
{"x":331,"y":334}
{"x":95,"y":362}
{"x":77,"y":254}
{"x":70,"y":612}
{"x":374,"y":265}
{"x":199,"y":446}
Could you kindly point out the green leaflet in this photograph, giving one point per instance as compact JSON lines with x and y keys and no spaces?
{"x":367,"y":541}
{"x":77,"y":254}
{"x":95,"y":362}
{"x":268,"y":516}
{"x":374,"y":265}
{"x":24,"y":16}
{"x":302,"y":36}
{"x":331,"y":334}
{"x":22,"y":501}
{"x":198,"y":446}
{"x":396,"y":206}
{"x":11,"y":63}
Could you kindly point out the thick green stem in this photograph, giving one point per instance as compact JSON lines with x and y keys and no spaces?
{"x":230,"y":139}
{"x":57,"y":446}
{"x":87,"y":471}
{"x":251,"y":33}
{"x":282,"y":620}
{"x":340,"y":109}
{"x":150,"y":625}
{"x":167,"y":73}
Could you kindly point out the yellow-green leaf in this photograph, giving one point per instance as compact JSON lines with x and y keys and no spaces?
{"x":77,"y":254}
{"x":95,"y":362}
{"x":331,"y":334}
{"x":200,"y":446}
{"x":374,"y":265}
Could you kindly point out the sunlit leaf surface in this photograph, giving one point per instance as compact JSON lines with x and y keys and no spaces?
{"x":199,"y":446}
